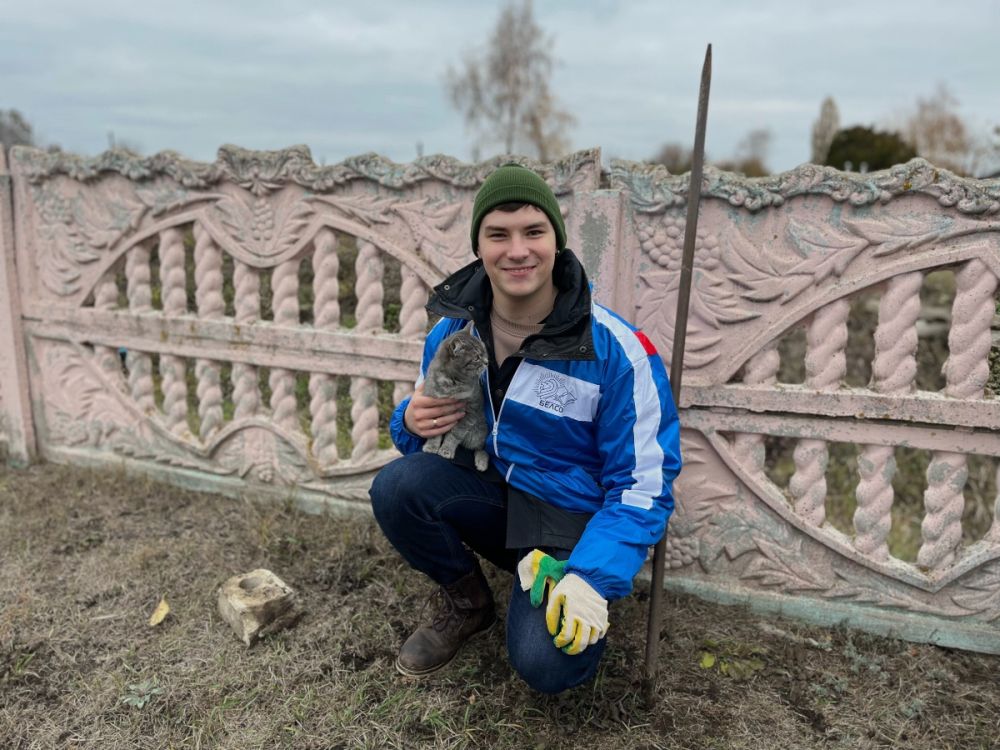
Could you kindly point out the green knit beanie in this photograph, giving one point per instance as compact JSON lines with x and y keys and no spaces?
{"x":513,"y":183}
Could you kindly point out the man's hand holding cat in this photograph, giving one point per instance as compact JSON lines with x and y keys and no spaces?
{"x":426,"y":416}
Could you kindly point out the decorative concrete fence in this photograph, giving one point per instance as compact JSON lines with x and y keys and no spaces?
{"x":248,"y":324}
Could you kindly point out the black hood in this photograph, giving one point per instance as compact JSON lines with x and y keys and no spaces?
{"x":468,"y":294}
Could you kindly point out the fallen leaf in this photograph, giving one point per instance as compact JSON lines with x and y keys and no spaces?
{"x":161,"y":611}
{"x":707,"y":660}
{"x":740,"y":669}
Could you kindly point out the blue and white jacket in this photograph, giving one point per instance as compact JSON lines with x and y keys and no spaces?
{"x":587,"y":424}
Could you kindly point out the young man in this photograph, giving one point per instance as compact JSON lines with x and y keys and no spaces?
{"x":584,"y":445}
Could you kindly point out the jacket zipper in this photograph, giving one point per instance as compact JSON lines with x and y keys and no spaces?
{"x":496,"y":414}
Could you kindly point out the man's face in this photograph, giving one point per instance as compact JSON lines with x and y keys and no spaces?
{"x":518,"y":251}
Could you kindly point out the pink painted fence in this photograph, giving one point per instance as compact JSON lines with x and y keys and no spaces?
{"x":248,"y":324}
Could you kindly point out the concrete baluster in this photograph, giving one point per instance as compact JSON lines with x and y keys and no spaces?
{"x":966,"y":373}
{"x":364,"y":407}
{"x":826,"y":365}
{"x":994,"y":533}
{"x":412,"y":320}
{"x":760,"y":369}
{"x":323,"y":387}
{"x":140,"y":300}
{"x":208,"y":294}
{"x":246,"y":389}
{"x":285,"y":283}
{"x":106,"y":298}
{"x":172,"y":368}
{"x":894,"y":372}
{"x":969,"y":339}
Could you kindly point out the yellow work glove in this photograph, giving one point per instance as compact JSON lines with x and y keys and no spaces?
{"x":576,"y":615}
{"x":538,"y":571}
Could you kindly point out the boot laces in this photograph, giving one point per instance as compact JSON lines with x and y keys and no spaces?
{"x":445,"y":608}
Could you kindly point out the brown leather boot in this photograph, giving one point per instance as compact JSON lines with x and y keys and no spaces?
{"x":464,"y":608}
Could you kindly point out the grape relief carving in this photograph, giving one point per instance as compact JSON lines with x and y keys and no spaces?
{"x":711,"y":304}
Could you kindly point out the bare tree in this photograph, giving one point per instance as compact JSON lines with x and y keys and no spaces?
{"x":824,"y":129}
{"x":675,"y":157}
{"x":943,"y":137}
{"x":751,"y":154}
{"x":750,"y":157}
{"x":504,"y":94}
{"x":938,"y":133}
{"x":15,"y":130}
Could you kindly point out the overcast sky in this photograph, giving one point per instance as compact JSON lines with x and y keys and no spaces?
{"x":346,"y":78}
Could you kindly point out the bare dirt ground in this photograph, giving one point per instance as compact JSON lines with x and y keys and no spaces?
{"x":87,"y":555}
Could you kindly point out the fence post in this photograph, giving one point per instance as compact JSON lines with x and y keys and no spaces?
{"x":15,"y":406}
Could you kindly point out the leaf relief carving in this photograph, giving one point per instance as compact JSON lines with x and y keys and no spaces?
{"x":763,"y":275}
{"x":78,"y":228}
{"x":162,"y":197}
{"x":350,"y":487}
{"x":367,"y":210}
{"x":429,"y":224}
{"x":980,"y":592}
{"x":865,"y":588}
{"x":785,"y":567}
{"x":85,"y":409}
{"x":825,"y":250}
{"x":893,"y":233}
{"x":709,"y":308}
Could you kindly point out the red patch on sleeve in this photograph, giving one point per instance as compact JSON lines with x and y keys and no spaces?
{"x":646,"y":343}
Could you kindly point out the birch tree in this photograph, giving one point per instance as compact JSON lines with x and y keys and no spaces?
{"x":504,"y":92}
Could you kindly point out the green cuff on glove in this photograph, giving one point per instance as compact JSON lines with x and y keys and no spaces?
{"x":549,"y":569}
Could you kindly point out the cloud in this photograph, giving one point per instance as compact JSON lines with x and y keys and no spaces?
{"x":348,"y":77}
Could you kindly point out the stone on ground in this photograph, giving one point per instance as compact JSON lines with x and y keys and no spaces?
{"x":256,"y":604}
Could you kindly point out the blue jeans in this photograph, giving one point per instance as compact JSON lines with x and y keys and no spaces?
{"x":437,"y":514}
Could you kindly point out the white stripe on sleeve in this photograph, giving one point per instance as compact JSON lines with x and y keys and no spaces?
{"x":648,"y":470}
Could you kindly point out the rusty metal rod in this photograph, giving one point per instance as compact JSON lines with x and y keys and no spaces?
{"x":677,"y":360}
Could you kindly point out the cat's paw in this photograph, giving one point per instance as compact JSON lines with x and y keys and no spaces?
{"x":482,"y":461}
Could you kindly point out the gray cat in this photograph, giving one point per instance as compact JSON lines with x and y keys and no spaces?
{"x":454,"y":373}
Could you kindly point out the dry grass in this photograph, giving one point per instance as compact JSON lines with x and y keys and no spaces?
{"x":86,"y":556}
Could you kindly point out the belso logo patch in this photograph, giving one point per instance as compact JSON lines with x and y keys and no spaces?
{"x":554,"y":392}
